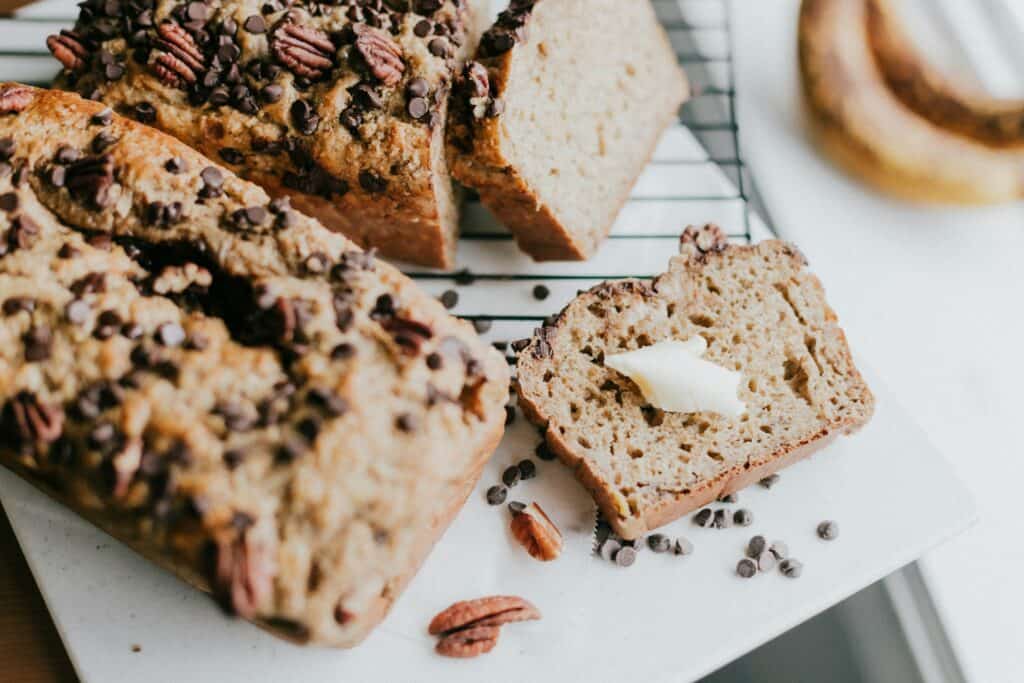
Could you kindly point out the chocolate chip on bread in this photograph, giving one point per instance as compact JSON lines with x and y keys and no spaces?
{"x":554,"y":121}
{"x":760,"y":313}
{"x":339,"y":106}
{"x":216,"y":379}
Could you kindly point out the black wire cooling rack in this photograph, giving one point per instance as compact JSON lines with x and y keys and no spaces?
{"x":698,"y":175}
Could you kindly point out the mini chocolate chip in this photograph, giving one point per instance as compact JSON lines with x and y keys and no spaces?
{"x":170,"y":334}
{"x":510,"y":415}
{"x":722,"y":520}
{"x":417,"y":87}
{"x":37,"y":341}
{"x":743,"y":517}
{"x":67,"y":251}
{"x":212,"y":177}
{"x":9,"y":201}
{"x":527,"y":469}
{"x":102,"y":241}
{"x":449,"y":298}
{"x":625,"y":556}
{"x":255,"y":24}
{"x":746,"y":568}
{"x":288,"y":452}
{"x":132,"y":331}
{"x":422,"y":29}
{"x":233,"y":458}
{"x":371,"y":182}
{"x":271,"y":93}
{"x":418,"y":107}
{"x":511,"y":476}
{"x":309,"y":427}
{"x":102,"y":118}
{"x":103,"y":141}
{"x":145,"y":112}
{"x":516,"y":507}
{"x":659,"y":543}
{"x":540,"y":292}
{"x":496,"y":495}
{"x":769,"y":481}
{"x":682,"y":546}
{"x":482,"y":325}
{"x":791,"y":568}
{"x":704,"y":517}
{"x":231,"y":155}
{"x":544,"y":452}
{"x":434,"y":361}
{"x":728,"y":498}
{"x":405,"y":423}
{"x":438,"y":47}
{"x":17,"y":304}
{"x":828,"y":530}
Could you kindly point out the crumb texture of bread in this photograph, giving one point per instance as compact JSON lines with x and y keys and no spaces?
{"x":245,"y":397}
{"x":761,"y":313}
{"x":566,"y":105}
{"x":339,"y":106}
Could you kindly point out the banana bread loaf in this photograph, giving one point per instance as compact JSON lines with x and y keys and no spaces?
{"x":340,"y":106}
{"x":760,"y":313}
{"x":243,"y":396}
{"x":557,"y":117}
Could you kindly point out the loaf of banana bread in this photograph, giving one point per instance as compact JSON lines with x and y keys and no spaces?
{"x":243,"y":396}
{"x":339,"y":106}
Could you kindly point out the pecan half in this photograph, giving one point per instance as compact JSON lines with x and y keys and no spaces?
{"x":495,"y":610}
{"x":537,"y":533}
{"x":90,"y":179}
{"x":175,"y":40}
{"x":382,"y":56}
{"x":468,"y":643}
{"x":172,"y":72}
{"x":14,"y":98}
{"x":68,"y":49}
{"x":33,"y":421}
{"x":304,"y":50}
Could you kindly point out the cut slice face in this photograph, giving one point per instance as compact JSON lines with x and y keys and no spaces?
{"x":761,"y":314}
{"x":557,"y":118}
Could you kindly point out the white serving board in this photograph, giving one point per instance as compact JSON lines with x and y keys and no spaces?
{"x":665,"y":618}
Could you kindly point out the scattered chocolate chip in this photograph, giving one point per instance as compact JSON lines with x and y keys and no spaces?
{"x":682,"y":546}
{"x":233,"y":458}
{"x":482,"y":325}
{"x":405,"y":423}
{"x":418,"y":108}
{"x":132,"y":331}
{"x":516,"y":507}
{"x":304,"y":117}
{"x":659,"y":543}
{"x":145,"y":112}
{"x":231,"y":155}
{"x":435,"y":361}
{"x":704,"y":517}
{"x":791,"y":568}
{"x":511,"y":475}
{"x":174,"y":165}
{"x":255,"y":24}
{"x":828,"y":530}
{"x":439,"y":47}
{"x":743,"y":517}
{"x":527,"y":469}
{"x":769,"y":481}
{"x":496,"y":495}
{"x":343,"y":351}
{"x":722,"y":520}
{"x":9,"y":201}
{"x":17,"y":304}
{"x":38,"y":340}
{"x":510,"y":415}
{"x":544,"y":452}
{"x":746,"y":568}
{"x":756,"y":545}
{"x":371,"y":182}
{"x":423,"y":28}
{"x":625,"y":556}
{"x":464,"y":277}
{"x":541,"y":292}
{"x":271,"y":93}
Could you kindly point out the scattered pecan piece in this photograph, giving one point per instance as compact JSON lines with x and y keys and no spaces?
{"x":14,"y":98}
{"x":537,"y":533}
{"x":407,"y":333}
{"x":243,"y":571}
{"x":382,"y":56}
{"x":68,"y":49}
{"x":495,"y":610}
{"x":706,"y":239}
{"x":469,"y":643}
{"x":304,"y":50}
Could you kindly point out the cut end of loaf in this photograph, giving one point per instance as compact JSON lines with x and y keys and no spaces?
{"x":761,"y":313}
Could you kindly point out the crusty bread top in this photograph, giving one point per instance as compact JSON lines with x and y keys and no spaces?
{"x":761,"y":314}
{"x":220,"y":380}
{"x":329,"y":100}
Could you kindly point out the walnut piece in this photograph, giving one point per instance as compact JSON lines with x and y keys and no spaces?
{"x":537,"y":533}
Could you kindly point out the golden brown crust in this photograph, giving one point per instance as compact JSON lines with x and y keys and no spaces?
{"x":866,"y":125}
{"x":319,"y":500}
{"x":539,"y":366}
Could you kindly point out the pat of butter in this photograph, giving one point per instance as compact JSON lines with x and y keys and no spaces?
{"x":673,"y":377}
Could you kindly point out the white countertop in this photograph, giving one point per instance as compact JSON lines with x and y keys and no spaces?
{"x":935,"y":297}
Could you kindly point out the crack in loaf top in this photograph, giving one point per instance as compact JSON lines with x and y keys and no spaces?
{"x":324,"y":97}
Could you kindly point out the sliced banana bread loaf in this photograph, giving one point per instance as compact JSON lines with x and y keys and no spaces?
{"x":340,"y":106}
{"x":243,"y":396}
{"x":557,"y":117}
{"x":761,"y":314}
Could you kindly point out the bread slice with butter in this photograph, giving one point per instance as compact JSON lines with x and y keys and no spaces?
{"x":759,"y":312}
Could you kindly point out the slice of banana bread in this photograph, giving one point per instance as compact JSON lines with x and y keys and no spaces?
{"x":340,"y":106}
{"x":760,"y":312}
{"x":243,"y":396}
{"x":557,"y":117}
